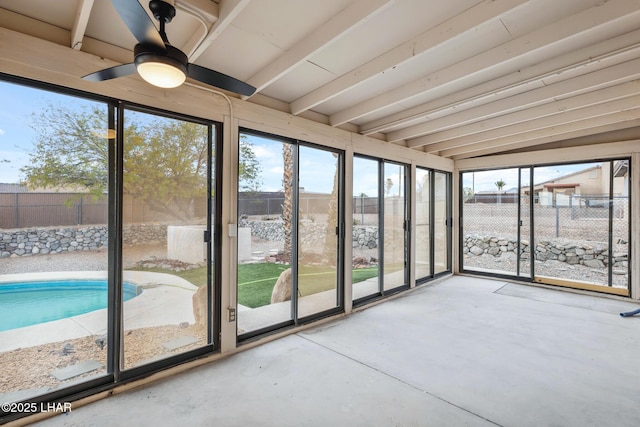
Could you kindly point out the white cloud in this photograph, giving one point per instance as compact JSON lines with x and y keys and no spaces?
{"x":2,"y":132}
{"x":263,"y":152}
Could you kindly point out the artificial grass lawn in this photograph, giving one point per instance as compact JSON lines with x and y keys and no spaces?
{"x":256,"y":281}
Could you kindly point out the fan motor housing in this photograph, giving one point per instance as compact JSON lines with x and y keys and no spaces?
{"x":163,"y":11}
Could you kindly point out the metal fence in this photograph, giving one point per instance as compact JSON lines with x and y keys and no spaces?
{"x":267,"y":204}
{"x":20,"y":210}
{"x":584,"y":217}
{"x":23,"y":210}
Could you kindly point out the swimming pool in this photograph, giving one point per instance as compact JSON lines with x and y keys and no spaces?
{"x":29,"y":303}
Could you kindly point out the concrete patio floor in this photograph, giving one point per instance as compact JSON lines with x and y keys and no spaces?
{"x":464,"y":351}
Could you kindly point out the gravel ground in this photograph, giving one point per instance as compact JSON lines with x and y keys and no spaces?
{"x":550,"y":268}
{"x":139,"y":344}
{"x":78,"y":261}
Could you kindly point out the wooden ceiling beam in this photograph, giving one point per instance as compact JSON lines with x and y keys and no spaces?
{"x":490,"y":128}
{"x":505,"y":58}
{"x":228,"y":11}
{"x":454,"y":27}
{"x":613,"y":121}
{"x":598,"y":55}
{"x":83,"y":12}
{"x":607,"y":77}
{"x":339,"y":25}
{"x":550,"y":122}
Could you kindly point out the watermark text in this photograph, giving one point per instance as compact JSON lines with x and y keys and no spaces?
{"x":34,"y":407}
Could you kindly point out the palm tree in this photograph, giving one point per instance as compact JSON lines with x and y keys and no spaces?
{"x":389,"y":186}
{"x":287,"y":204}
{"x":330,"y":241}
{"x":500,"y":184}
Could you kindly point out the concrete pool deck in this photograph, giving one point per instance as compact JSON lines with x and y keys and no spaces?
{"x":166,"y":300}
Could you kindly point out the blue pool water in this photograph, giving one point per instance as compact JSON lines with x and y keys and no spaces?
{"x":30,"y":303}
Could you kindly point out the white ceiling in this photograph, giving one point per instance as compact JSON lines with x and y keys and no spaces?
{"x":456,"y":78}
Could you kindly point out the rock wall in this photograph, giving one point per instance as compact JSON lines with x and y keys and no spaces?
{"x":365,"y":237}
{"x":23,"y":242}
{"x":594,"y":255}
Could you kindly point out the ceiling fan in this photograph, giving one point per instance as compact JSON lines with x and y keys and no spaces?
{"x":155,"y":59}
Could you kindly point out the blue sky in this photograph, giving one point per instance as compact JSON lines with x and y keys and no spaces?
{"x":317,"y":167}
{"x":16,"y":137}
{"x":485,"y":180}
{"x":15,"y":134}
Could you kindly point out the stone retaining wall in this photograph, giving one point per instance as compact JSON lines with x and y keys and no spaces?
{"x":22,"y":242}
{"x":594,"y":255}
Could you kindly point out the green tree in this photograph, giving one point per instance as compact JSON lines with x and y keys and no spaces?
{"x":165,"y":160}
{"x":249,"y":170}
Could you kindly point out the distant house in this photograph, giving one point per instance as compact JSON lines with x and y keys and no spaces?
{"x":592,"y":184}
{"x":621,"y":178}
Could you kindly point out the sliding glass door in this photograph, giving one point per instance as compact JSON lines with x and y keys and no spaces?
{"x":523,"y":254}
{"x":394,"y":222}
{"x":265,"y":233}
{"x":380,"y":232}
{"x":490,"y":221}
{"x":366,"y":225}
{"x":319,"y":205}
{"x":424,"y":252}
{"x":106,"y":224}
{"x":562,"y":224}
{"x":441,"y":222}
{"x":56,"y":155}
{"x":433,"y":223}
{"x":165,"y":243}
{"x":581,"y":222}
{"x":289,"y":217}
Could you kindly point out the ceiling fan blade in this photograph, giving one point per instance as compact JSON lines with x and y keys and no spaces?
{"x":112,"y":73}
{"x":220,"y":80}
{"x":139,"y":23}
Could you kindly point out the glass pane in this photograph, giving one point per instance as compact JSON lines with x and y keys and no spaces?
{"x":525,"y":222}
{"x":317,"y":231}
{"x":423,"y":224}
{"x":440,"y":237}
{"x":53,"y":241}
{"x":366,"y":219}
{"x":490,"y":220}
{"x":394,"y":220}
{"x":164,"y":255}
{"x":620,"y":250}
{"x":265,"y":209}
{"x":571,"y":217}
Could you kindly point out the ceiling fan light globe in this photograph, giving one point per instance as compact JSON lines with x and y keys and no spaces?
{"x":161,"y":74}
